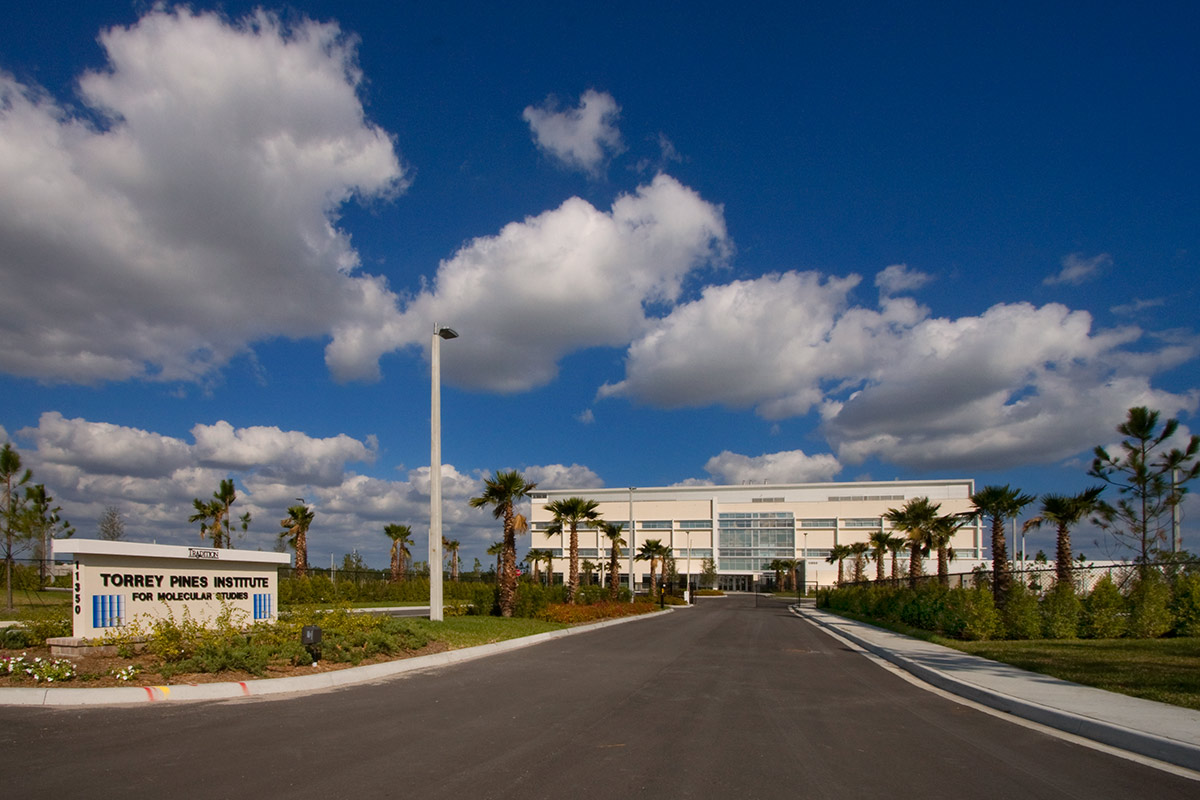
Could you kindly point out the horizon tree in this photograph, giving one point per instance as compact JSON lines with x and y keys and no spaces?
{"x":12,"y":507}
{"x":111,"y":526}
{"x":295,"y":532}
{"x":1146,"y":481}
{"x":497,"y":549}
{"x":568,"y":513}
{"x":452,"y":546}
{"x":401,"y":536}
{"x":214,"y":515}
{"x":999,"y":504}
{"x":501,"y":492}
{"x":1064,"y":511}
{"x":43,"y":522}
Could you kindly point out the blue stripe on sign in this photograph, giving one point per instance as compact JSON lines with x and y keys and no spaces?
{"x":262,"y":606}
{"x":108,"y":610}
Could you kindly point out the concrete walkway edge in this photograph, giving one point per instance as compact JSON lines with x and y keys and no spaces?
{"x":1146,"y":743}
{"x":123,"y":695}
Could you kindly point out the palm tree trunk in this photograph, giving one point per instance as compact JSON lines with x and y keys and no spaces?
{"x":914,"y":564}
{"x":1001,"y":574}
{"x":573,"y":585}
{"x":943,"y":567}
{"x":1062,"y":566}
{"x":508,"y":566}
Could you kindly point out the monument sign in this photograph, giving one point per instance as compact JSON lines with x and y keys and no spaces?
{"x":115,"y":583}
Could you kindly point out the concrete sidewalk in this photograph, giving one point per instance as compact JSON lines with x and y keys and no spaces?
{"x":1157,"y":730}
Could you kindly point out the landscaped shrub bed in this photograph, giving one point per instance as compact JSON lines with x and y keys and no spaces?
{"x":1153,"y":606}
{"x":575,"y":614}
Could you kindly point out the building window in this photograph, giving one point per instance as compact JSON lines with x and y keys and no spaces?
{"x":862,"y":522}
{"x":818,"y":523}
{"x":749,"y":541}
{"x":696,"y":523}
{"x":656,"y":524}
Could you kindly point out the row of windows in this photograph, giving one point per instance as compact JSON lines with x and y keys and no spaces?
{"x":853,"y":498}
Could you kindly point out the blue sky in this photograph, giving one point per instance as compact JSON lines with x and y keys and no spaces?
{"x":682,"y":242}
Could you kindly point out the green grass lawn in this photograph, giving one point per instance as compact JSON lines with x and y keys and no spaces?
{"x":1166,"y":670}
{"x":458,"y":632}
{"x":27,"y":602}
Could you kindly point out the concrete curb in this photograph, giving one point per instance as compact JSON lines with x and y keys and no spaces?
{"x":1172,"y":751}
{"x":324,"y":681}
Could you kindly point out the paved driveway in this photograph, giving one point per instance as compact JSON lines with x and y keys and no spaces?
{"x":728,"y":699}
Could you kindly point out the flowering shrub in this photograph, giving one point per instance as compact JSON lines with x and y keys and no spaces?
{"x":125,"y":674}
{"x":40,"y":669}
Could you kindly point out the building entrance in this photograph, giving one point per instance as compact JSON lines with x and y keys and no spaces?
{"x":735,"y":583}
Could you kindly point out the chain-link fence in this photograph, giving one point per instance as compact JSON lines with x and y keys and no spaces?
{"x":1040,"y":578}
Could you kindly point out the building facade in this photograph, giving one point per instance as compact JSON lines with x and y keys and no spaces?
{"x":744,"y":528}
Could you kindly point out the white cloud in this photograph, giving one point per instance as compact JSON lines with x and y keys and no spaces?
{"x":899,"y":278}
{"x":792,"y":466}
{"x":198,"y":216}
{"x":152,"y":478}
{"x":580,"y":137}
{"x":587,"y":416}
{"x":1137,"y":305}
{"x":1076,"y":269}
{"x":568,"y":279}
{"x":1016,"y":384}
{"x":557,"y":476}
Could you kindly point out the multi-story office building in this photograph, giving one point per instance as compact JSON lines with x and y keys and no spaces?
{"x":744,"y":528}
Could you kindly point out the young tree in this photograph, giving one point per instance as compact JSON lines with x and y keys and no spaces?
{"x":1150,"y":482}
{"x":214,"y":515}
{"x":915,"y":520}
{"x":1000,"y":503}
{"x":651,"y":550}
{"x":1064,"y":511}
{"x":112,"y":524}
{"x":568,"y":513}
{"x":612,"y":531}
{"x":452,"y":546}
{"x":502,"y":492}
{"x":12,"y":509}
{"x":401,"y":536}
{"x":838,"y":554}
{"x":859,"y":551}
{"x":295,"y":532}
{"x":43,"y":523}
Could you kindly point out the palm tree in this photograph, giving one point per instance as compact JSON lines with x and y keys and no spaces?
{"x":790,"y":565}
{"x":451,"y":546}
{"x":613,"y":531}
{"x":1000,"y":503}
{"x":777,"y":566}
{"x":401,"y":536}
{"x":650,"y":550}
{"x":859,"y":551}
{"x":940,"y":534}
{"x":915,"y":519}
{"x":878,"y":541}
{"x":589,"y":568}
{"x":218,"y":510}
{"x":208,"y":514}
{"x":568,"y":513}
{"x":839,"y":553}
{"x":894,"y":546}
{"x":501,"y":492}
{"x":1063,"y":511}
{"x":295,"y":532}
{"x":497,"y":549}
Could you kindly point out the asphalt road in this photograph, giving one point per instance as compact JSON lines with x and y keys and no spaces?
{"x":729,"y":699}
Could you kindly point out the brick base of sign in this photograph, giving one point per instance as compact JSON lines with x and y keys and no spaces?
{"x":78,"y":647}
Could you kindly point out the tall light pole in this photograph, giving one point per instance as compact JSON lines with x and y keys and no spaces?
{"x":435,"y":470}
{"x":632,"y":591}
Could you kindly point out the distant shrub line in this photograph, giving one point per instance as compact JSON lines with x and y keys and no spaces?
{"x":1153,"y":606}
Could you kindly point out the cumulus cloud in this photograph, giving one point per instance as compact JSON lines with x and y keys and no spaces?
{"x":567,"y":279}
{"x":791,"y":466}
{"x":581,"y":137}
{"x":152,"y":478}
{"x":899,"y":278}
{"x":557,"y":476}
{"x":1076,"y":269}
{"x":1015,"y":384}
{"x":197,"y":213}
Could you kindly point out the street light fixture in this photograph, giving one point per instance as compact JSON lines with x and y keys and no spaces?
{"x":435,"y":471}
